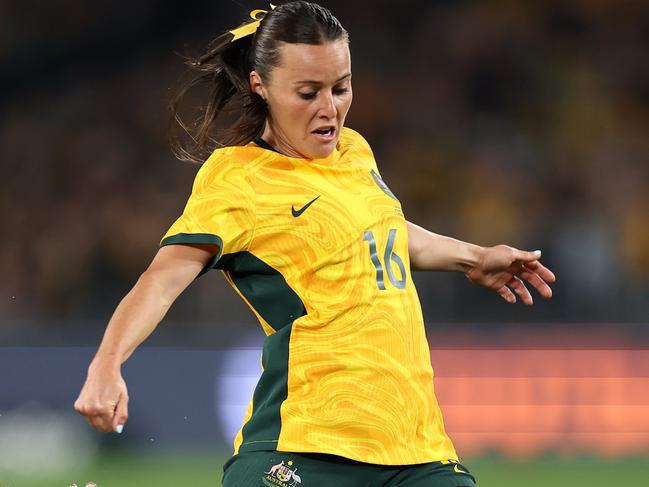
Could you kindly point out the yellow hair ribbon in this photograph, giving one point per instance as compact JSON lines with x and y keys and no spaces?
{"x":251,"y":28}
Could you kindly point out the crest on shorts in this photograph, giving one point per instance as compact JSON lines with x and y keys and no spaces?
{"x":282,"y":475}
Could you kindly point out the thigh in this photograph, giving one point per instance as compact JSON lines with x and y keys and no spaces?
{"x":283,"y":469}
{"x":433,"y":474}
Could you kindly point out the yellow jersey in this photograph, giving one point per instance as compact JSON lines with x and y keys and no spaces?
{"x":319,"y":251}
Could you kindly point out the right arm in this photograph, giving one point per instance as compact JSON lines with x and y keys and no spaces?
{"x":104,"y":397}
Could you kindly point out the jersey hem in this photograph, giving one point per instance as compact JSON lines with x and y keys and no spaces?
{"x":266,"y":445}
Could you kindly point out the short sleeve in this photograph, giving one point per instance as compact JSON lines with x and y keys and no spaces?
{"x":220,"y":210}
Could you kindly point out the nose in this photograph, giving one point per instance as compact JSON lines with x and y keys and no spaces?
{"x":327,"y":108}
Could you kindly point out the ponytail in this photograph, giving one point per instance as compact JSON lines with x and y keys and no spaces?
{"x":223,"y":69}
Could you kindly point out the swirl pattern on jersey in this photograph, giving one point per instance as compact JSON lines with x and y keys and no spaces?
{"x":355,"y":366}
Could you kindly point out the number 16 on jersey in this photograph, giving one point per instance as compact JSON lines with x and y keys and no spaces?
{"x":389,"y":257}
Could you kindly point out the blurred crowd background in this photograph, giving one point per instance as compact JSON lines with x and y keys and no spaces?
{"x":524,"y":123}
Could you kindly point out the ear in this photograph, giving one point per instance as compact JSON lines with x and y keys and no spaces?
{"x":257,"y":85}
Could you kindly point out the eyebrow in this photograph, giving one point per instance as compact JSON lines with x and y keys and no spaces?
{"x":314,"y":82}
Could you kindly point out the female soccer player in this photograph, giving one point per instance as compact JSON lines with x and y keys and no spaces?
{"x":293,"y":210}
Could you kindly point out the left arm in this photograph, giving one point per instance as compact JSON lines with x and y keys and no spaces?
{"x":501,"y":268}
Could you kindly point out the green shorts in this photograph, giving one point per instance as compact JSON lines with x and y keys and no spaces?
{"x":283,"y":469}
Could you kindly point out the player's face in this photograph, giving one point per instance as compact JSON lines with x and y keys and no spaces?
{"x":308,"y":96}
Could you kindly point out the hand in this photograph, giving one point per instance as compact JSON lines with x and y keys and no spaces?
{"x":104,"y":400}
{"x":503,"y":269}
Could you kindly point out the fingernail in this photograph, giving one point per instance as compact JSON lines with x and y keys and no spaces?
{"x":119,"y":428}
{"x":537,"y":253}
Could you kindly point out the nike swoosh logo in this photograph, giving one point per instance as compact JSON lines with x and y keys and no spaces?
{"x":456,"y":469}
{"x":297,"y":213}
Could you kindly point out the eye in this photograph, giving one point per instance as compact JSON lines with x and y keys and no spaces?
{"x":312,"y":94}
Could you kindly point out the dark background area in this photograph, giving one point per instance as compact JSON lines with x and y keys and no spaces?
{"x":523,"y":123}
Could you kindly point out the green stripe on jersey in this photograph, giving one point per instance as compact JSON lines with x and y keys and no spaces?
{"x":265,"y":288}
{"x":273,"y":299}
{"x":197,"y":239}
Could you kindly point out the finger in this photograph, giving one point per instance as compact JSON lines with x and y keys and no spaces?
{"x":535,"y":280}
{"x":98,"y":415}
{"x":526,"y":256}
{"x":503,"y":278}
{"x":121,"y":414}
{"x":100,"y":422}
{"x":546,"y":274}
{"x":517,"y":285}
{"x":507,"y":294}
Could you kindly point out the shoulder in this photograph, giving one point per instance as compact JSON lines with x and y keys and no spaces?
{"x":351,"y":139}
{"x":229,"y":158}
{"x":231,"y":166}
{"x":353,"y":145}
{"x":233,"y":161}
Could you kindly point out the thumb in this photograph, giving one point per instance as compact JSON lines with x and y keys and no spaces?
{"x":527,"y":256}
{"x":121,"y":414}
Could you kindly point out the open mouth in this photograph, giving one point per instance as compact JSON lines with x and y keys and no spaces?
{"x":325,"y":133}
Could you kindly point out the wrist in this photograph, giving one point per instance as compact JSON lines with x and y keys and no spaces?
{"x":469,"y":257}
{"x":105,"y":362}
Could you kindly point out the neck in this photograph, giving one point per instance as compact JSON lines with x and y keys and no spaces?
{"x":273,"y":136}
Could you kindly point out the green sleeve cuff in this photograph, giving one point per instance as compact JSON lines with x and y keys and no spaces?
{"x":197,"y":238}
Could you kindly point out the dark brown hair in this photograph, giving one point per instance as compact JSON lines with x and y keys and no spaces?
{"x":224,"y":70}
